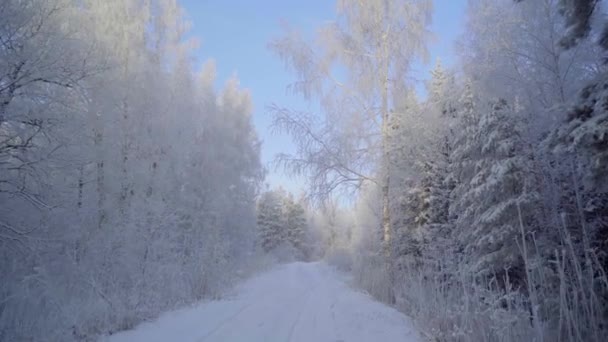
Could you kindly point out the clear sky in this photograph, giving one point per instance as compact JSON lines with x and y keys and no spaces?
{"x":236,"y":32}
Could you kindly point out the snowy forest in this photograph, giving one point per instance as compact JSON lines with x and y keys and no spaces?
{"x":131,"y":184}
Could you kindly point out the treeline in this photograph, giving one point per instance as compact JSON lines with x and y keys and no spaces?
{"x":127,"y":180}
{"x":283,"y":226}
{"x":291,"y":228}
{"x":482,"y":209}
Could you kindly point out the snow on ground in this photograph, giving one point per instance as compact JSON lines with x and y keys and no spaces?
{"x":294,"y":302}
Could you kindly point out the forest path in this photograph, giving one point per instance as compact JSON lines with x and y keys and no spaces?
{"x":293,"y":302}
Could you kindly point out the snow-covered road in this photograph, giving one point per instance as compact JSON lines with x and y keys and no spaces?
{"x":305,"y":302}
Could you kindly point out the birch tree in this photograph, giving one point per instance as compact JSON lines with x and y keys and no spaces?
{"x":513,"y":51}
{"x":578,"y":15}
{"x":353,"y":69}
{"x":40,"y":56}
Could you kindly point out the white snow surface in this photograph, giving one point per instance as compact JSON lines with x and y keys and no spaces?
{"x":293,"y":302}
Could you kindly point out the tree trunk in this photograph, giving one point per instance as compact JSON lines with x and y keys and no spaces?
{"x":386,"y":214}
{"x":386,"y":217}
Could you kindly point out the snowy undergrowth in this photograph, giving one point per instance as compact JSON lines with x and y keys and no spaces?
{"x":557,"y":301}
{"x":341,"y":259}
{"x":460,"y":309}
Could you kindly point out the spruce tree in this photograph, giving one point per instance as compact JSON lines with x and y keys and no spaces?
{"x":270,"y":221}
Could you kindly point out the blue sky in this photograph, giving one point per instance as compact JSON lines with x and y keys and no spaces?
{"x":235,"y":34}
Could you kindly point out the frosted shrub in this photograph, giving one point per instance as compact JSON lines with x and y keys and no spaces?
{"x":559,"y":304}
{"x":371,"y":274}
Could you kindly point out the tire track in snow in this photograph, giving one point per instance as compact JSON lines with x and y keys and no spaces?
{"x":224,"y":323}
{"x":297,"y":320}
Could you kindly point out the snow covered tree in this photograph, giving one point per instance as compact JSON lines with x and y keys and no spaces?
{"x":41,"y":63}
{"x":374,"y":44}
{"x":579,"y":17}
{"x":422,"y":138}
{"x":579,"y":150}
{"x":585,"y":133}
{"x":465,"y":150}
{"x":441,"y":89}
{"x":442,"y":111}
{"x":499,"y":196}
{"x":271,"y":223}
{"x":282,"y":222}
{"x":296,"y":226}
{"x":523,"y":41}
